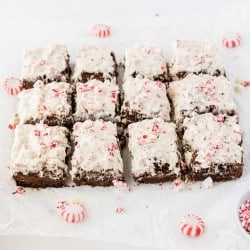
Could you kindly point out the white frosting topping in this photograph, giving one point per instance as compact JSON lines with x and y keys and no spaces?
{"x":45,"y":61}
{"x":194,"y":56}
{"x":44,"y":100}
{"x":146,"y":60}
{"x":201,"y":91}
{"x":146,"y":97}
{"x":152,"y":141}
{"x":93,"y":59}
{"x":96,"y":148}
{"x":38,"y":146}
{"x":96,"y":98}
{"x":214,"y":141}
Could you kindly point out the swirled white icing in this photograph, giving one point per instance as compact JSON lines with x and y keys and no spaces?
{"x":96,"y":148}
{"x":146,"y":97}
{"x":215,"y":140}
{"x":146,"y":60}
{"x":39,"y":148}
{"x":93,"y":59}
{"x":49,"y":62}
{"x":194,"y":57}
{"x":152,"y":141}
{"x":43,"y":101}
{"x":96,"y":99}
{"x":201,"y":91}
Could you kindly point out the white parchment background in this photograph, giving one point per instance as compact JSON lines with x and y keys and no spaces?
{"x":151,"y":212}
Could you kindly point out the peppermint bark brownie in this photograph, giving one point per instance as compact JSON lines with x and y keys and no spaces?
{"x":194,"y":57}
{"x":212,"y":147}
{"x":39,"y":154}
{"x":46,"y":64}
{"x":153,"y":148}
{"x":146,"y":61}
{"x":201,"y":94}
{"x":96,"y":159}
{"x":144,"y":98}
{"x":96,"y":99}
{"x":50,"y":104}
{"x":94,"y":62}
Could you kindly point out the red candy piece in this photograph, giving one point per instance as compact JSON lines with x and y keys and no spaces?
{"x":73,"y":212}
{"x":13,"y":86}
{"x":121,"y":184}
{"x":231,"y":40}
{"x":244,"y":214}
{"x":119,"y":210}
{"x":101,"y":30}
{"x":192,"y":225}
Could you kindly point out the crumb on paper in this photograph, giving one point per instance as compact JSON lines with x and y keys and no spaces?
{"x":178,"y":185}
{"x":208,"y":183}
{"x":238,"y":88}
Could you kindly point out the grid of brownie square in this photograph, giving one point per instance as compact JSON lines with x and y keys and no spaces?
{"x":96,"y":100}
{"x":144,"y":98}
{"x":38,"y":157}
{"x":201,"y":94}
{"x":147,"y":61}
{"x":48,"y":103}
{"x":212,"y":147}
{"x":94,"y":62}
{"x":194,"y":57}
{"x":46,"y":64}
{"x":96,"y":160}
{"x":153,"y":148}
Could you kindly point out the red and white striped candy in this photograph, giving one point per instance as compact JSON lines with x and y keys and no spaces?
{"x":192,"y":225}
{"x":231,"y":40}
{"x":101,"y":30}
{"x":73,"y":212}
{"x":13,"y":85}
{"x":119,"y":210}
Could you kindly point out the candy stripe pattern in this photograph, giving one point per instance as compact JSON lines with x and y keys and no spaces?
{"x":192,"y":225}
{"x":73,"y":213}
{"x":231,"y":40}
{"x":12,"y":85}
{"x":101,"y":30}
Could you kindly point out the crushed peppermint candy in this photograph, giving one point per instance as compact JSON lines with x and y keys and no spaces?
{"x":119,"y":210}
{"x":208,"y":183}
{"x":244,"y":215}
{"x":178,"y":185}
{"x":19,"y":190}
{"x":121,"y":184}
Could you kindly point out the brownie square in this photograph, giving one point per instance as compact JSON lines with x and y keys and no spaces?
{"x":144,"y":98}
{"x":194,"y":57}
{"x":96,"y":100}
{"x":96,"y":159}
{"x":50,"y":104}
{"x":46,"y":64}
{"x":153,"y":148}
{"x":147,"y":61}
{"x":212,"y":147}
{"x":39,"y":154}
{"x":94,"y":62}
{"x":201,"y":94}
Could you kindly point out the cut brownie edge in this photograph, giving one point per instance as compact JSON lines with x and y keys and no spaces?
{"x":159,"y":178}
{"x":231,"y":172}
{"x":94,"y":178}
{"x":35,"y":181}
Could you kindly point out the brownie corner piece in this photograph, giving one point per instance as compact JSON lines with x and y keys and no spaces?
{"x":147,"y":61}
{"x":38,"y":157}
{"x":96,"y":160}
{"x":153,"y":148}
{"x":46,"y":64}
{"x":94,"y":62}
{"x":194,"y":57}
{"x":213,"y":147}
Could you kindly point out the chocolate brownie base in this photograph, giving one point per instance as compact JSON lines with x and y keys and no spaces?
{"x":97,"y":178}
{"x":162,"y":77}
{"x":163,"y":174}
{"x":183,"y":74}
{"x":224,"y":173}
{"x":35,"y":181}
{"x":86,"y":76}
{"x":64,"y":76}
